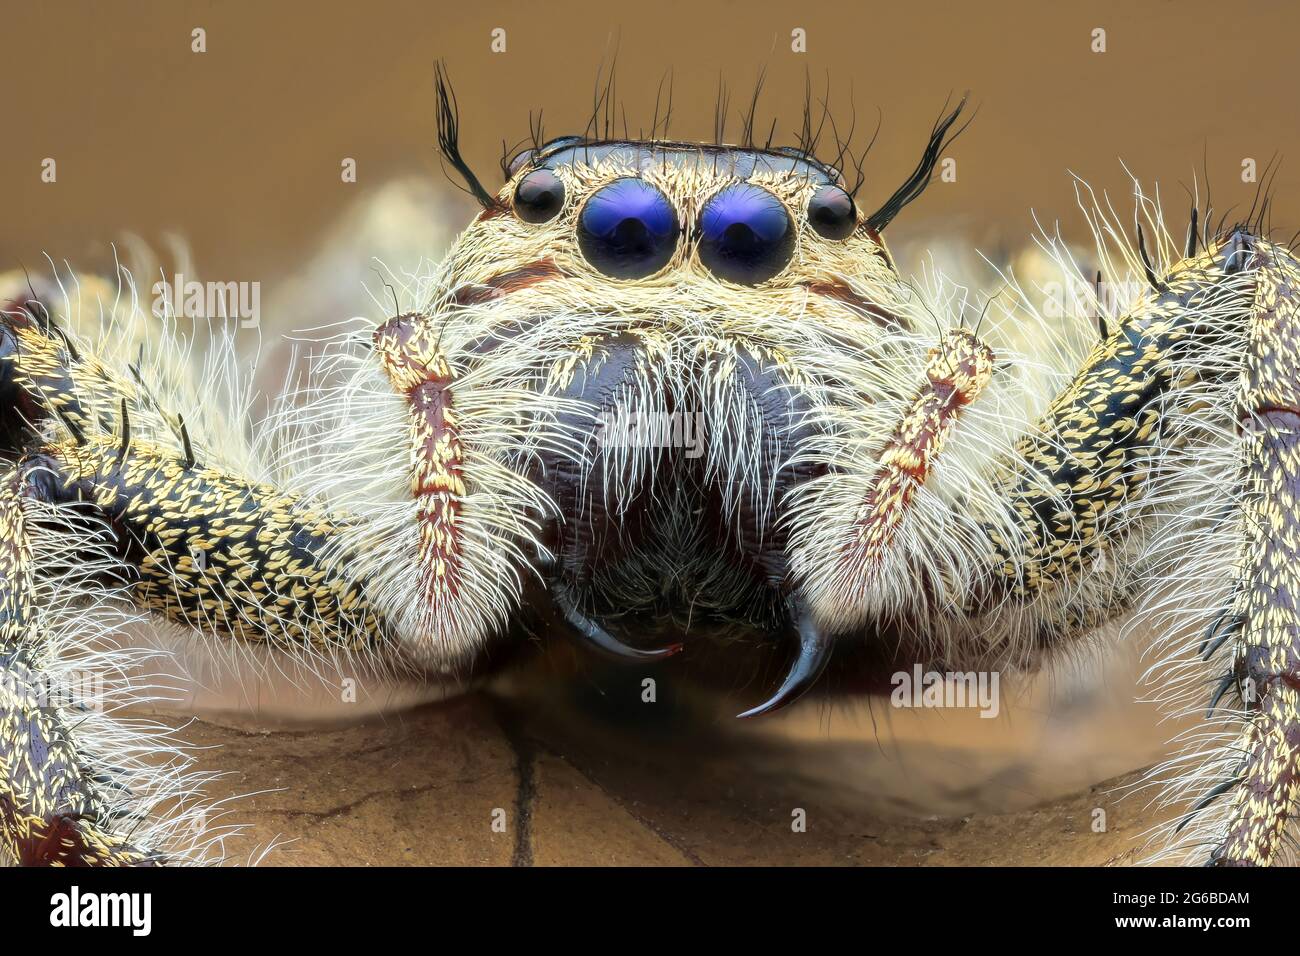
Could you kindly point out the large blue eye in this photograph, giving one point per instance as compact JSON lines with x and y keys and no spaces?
{"x":628,"y":229}
{"x":746,"y":235}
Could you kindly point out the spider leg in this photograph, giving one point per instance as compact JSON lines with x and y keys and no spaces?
{"x":1233,"y":313}
{"x":52,"y":810}
{"x":195,"y":544}
{"x":1214,"y":347}
{"x":203,"y":548}
{"x":1037,"y":525}
{"x":1266,"y":657}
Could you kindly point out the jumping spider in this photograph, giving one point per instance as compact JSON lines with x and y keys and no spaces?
{"x":877,"y":485}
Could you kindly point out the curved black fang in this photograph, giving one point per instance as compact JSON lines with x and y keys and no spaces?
{"x":814,"y":655}
{"x":596,"y":636}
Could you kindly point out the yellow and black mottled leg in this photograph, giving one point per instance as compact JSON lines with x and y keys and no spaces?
{"x":51,"y":809}
{"x":197,"y":545}
{"x":1091,"y":453}
{"x":224,"y":555}
{"x":1061,"y":492}
{"x":1266,"y":614}
{"x":210,"y":549}
{"x":1094,"y":448}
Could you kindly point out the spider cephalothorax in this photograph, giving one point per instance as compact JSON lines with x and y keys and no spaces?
{"x":665,"y":394}
{"x":638,"y":294}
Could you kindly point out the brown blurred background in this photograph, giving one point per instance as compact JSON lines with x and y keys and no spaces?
{"x":238,"y":149}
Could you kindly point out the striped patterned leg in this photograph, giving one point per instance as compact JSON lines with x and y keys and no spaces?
{"x":228,"y":557}
{"x":51,"y":810}
{"x":1267,"y":658}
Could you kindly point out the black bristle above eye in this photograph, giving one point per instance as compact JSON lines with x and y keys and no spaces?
{"x":845,"y":168}
{"x":915,"y":184}
{"x":515,"y":158}
{"x":845,"y":160}
{"x":449,"y":138}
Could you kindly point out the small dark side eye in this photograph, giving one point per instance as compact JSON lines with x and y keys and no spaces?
{"x":831,"y":213}
{"x":539,"y":196}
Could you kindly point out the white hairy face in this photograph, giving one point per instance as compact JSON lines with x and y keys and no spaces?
{"x":529,"y":306}
{"x":647,"y":370}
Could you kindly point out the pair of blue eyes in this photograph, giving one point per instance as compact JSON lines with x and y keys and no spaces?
{"x":629,"y":230}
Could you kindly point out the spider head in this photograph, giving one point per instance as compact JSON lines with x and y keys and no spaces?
{"x":726,"y":301}
{"x":661,"y":227}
